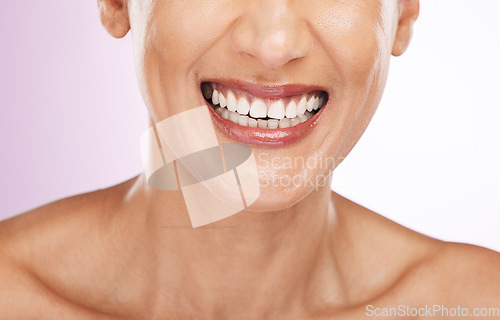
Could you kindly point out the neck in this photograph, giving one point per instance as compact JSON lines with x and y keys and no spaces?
{"x":273,"y":259}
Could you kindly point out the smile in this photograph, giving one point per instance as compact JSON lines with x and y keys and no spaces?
{"x":245,"y":109}
{"x":268,"y":116}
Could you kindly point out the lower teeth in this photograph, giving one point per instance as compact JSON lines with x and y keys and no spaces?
{"x":262,"y":123}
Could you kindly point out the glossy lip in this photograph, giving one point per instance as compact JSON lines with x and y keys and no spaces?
{"x":266,"y":137}
{"x":275,"y":91}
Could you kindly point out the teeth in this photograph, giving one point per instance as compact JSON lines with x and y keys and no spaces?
{"x":252,"y":123}
{"x":284,"y":123}
{"x":277,"y":110}
{"x":243,"y":121}
{"x":294,"y":122}
{"x":310,"y":104}
{"x":291,"y":110}
{"x":262,"y":123}
{"x":321,"y":101}
{"x":316,"y":103}
{"x":225,"y":113}
{"x":215,"y":97}
{"x":243,"y":106}
{"x":222,"y":100}
{"x":258,"y":109}
{"x":246,"y":121}
{"x":234,"y":117}
{"x":302,"y":106}
{"x":244,"y":113}
{"x":231,"y":101}
{"x":272,"y":124}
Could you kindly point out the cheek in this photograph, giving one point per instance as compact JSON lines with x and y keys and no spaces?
{"x":170,"y":39}
{"x":185,"y":30}
{"x":355,"y":41}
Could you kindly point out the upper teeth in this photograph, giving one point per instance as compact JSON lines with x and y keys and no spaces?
{"x":258,"y":108}
{"x":277,"y":110}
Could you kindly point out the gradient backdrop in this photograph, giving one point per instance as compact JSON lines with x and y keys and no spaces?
{"x":72,"y":117}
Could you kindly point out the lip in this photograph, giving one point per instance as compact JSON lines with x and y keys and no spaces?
{"x":262,"y":91}
{"x":266,"y":137}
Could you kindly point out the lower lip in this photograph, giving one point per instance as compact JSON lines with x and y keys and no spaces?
{"x":265,"y":137}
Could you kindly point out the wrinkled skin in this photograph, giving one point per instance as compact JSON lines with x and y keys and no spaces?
{"x":128,"y":252}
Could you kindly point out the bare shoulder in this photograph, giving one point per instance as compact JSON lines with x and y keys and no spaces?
{"x":454,"y":274}
{"x":468,"y":274}
{"x":379,"y":246}
{"x":44,"y":227}
{"x":47,"y":241}
{"x":417,"y":269}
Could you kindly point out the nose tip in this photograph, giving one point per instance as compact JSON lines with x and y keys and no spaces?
{"x":271,"y":38}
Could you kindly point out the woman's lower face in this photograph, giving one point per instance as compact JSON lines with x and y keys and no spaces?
{"x":297,"y":81}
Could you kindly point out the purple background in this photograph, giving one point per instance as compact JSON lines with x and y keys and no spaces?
{"x":71,"y":111}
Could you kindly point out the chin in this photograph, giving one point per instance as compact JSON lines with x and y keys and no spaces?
{"x":282,"y":191}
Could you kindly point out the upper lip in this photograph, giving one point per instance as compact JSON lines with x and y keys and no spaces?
{"x":267,"y":91}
